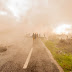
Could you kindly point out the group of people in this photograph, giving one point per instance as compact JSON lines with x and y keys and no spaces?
{"x":35,"y":36}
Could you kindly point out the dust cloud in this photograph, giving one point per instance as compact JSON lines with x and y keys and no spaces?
{"x":20,"y":17}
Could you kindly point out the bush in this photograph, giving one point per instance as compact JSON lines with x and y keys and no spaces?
{"x":63,"y":41}
{"x":3,"y":49}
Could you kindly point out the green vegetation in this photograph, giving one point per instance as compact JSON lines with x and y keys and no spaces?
{"x":62,"y":54}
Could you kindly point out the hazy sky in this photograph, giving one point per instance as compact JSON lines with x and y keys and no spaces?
{"x":60,"y":11}
{"x":41,"y":14}
{"x":17,"y":7}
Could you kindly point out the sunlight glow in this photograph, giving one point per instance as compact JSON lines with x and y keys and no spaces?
{"x":3,"y":13}
{"x":62,"y":29}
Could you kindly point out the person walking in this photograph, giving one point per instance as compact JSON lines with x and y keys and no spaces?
{"x":33,"y":36}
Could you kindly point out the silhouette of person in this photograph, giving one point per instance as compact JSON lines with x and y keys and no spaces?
{"x":33,"y":36}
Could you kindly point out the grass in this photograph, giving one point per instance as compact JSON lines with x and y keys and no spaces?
{"x":61,"y":56}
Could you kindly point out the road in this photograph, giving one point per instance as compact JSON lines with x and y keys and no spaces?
{"x":27,"y":56}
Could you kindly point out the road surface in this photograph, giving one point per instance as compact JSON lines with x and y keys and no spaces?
{"x":27,"y":56}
